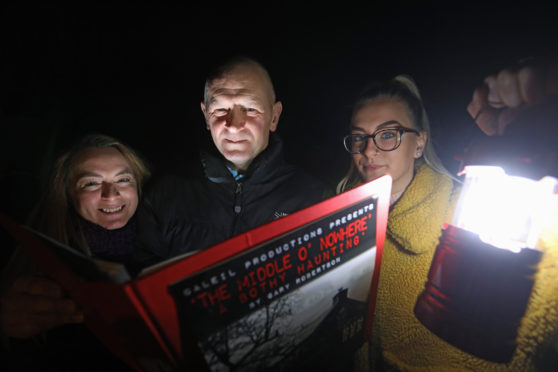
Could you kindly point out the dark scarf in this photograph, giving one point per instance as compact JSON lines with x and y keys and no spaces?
{"x":113,"y":245}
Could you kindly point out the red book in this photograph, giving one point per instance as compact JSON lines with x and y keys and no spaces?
{"x":294,"y":293}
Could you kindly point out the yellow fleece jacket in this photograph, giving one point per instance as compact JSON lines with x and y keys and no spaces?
{"x":399,"y":340}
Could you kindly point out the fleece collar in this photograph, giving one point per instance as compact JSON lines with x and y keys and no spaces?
{"x":416,"y":219}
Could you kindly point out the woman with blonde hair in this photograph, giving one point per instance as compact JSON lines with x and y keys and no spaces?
{"x":390,"y":134}
{"x":401,"y":89}
{"x":93,"y":195}
{"x":90,"y":206}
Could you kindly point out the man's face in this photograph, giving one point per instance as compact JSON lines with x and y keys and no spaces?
{"x":240,"y":113}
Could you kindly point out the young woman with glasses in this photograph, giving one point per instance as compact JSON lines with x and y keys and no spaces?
{"x":389,"y":134}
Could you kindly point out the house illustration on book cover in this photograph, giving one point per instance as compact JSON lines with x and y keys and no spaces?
{"x":264,"y":341}
{"x":332,"y":344}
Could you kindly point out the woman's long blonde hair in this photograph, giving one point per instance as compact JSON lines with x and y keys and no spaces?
{"x":55,"y":215}
{"x":403,"y":89}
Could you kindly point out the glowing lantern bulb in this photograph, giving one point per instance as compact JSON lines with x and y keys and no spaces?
{"x":505,"y":211}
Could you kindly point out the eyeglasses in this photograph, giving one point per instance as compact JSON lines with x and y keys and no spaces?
{"x":384,"y":139}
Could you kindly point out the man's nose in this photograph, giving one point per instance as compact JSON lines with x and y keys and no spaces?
{"x":237,"y":118}
{"x":109,"y":190}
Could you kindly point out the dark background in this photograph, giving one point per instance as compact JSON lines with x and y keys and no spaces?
{"x":136,"y":72}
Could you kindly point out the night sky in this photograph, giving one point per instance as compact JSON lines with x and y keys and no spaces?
{"x":136,"y":72}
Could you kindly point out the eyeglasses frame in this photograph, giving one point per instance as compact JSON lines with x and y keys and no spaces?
{"x":400,"y":130}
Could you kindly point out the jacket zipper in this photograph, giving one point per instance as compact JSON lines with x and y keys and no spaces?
{"x":237,"y":207}
{"x":238,"y":199}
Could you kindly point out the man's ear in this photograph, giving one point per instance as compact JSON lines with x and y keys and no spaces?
{"x":204,"y":113}
{"x":276,"y":113}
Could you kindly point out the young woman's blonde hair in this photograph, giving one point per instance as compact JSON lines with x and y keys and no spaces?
{"x":403,"y":89}
{"x":56,"y":215}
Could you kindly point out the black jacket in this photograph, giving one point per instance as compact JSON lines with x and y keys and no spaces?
{"x":179,"y":215}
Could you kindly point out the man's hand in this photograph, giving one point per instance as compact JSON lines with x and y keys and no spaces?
{"x":498,"y":101}
{"x":34,"y":304}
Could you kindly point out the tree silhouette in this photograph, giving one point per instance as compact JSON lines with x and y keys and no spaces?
{"x":254,"y":342}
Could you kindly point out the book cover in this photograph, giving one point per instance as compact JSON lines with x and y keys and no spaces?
{"x":294,"y":293}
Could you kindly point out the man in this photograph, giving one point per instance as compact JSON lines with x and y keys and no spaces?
{"x":245,"y":181}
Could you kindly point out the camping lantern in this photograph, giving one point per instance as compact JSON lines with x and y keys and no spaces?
{"x":483,"y":269}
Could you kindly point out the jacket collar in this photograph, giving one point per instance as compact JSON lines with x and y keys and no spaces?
{"x":261,"y":169}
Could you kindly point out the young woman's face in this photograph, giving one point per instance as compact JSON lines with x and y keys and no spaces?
{"x":372,"y":162}
{"x":103,"y":188}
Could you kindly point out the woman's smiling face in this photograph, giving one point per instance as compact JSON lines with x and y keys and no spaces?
{"x":103,"y":188}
